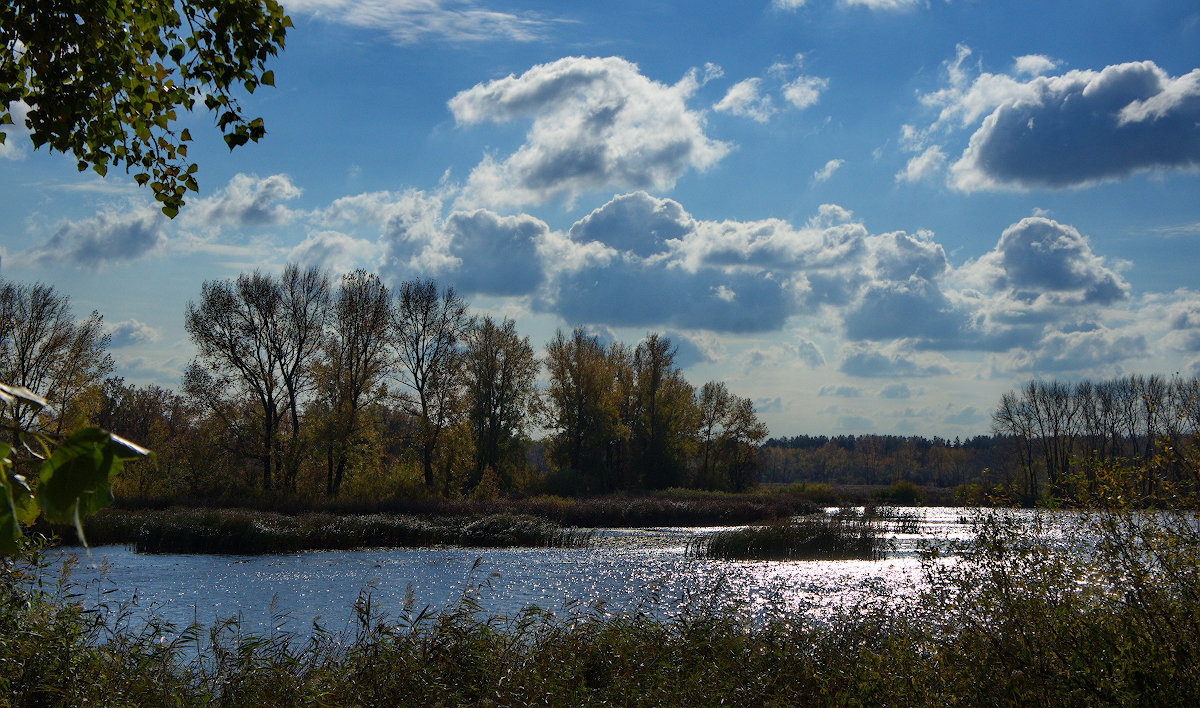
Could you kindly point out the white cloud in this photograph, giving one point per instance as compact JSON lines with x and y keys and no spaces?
{"x":413,"y":21}
{"x":598,"y":123}
{"x":1038,"y":259}
{"x":890,"y":5}
{"x":334,"y":251}
{"x":928,"y":164}
{"x":131,"y":332}
{"x":106,"y":238}
{"x":745,"y":99}
{"x":246,"y":201}
{"x":804,"y":91}
{"x":823,"y":174}
{"x":1034,"y":64}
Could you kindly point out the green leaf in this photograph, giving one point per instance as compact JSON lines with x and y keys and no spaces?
{"x":77,"y":477}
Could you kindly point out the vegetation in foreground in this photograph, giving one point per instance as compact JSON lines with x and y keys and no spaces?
{"x":1022,"y":617}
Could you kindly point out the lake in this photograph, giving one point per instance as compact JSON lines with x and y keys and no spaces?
{"x":625,"y":570}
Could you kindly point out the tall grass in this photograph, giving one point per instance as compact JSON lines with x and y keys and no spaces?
{"x":249,"y":532}
{"x":803,"y":538}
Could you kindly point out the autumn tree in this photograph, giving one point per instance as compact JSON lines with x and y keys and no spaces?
{"x":428,"y":327}
{"x":46,"y":350}
{"x":500,"y":372}
{"x":583,"y":408}
{"x":109,"y":81}
{"x":351,"y":371}
{"x":256,"y":337}
{"x":665,"y":419}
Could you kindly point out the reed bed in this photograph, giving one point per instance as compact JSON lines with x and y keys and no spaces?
{"x":240,"y":531}
{"x":669,"y":508}
{"x":816,"y":537}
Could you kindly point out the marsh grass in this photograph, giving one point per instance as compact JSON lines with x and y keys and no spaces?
{"x":241,"y":531}
{"x":817,"y":537}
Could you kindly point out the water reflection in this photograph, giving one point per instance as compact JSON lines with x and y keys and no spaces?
{"x":627,"y":570}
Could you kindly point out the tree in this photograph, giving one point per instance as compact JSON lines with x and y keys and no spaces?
{"x":583,"y":406}
{"x":713,"y":402}
{"x":350,"y":374}
{"x":739,"y":441}
{"x":106,"y":81}
{"x":257,"y":337}
{"x":666,"y":417}
{"x":428,"y":329}
{"x":501,"y":374}
{"x":44,"y":349}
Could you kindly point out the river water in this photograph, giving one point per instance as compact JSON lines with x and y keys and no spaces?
{"x":625,"y":570}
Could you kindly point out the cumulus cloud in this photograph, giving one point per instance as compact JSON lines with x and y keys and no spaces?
{"x":896,"y":391}
{"x":1069,"y":130}
{"x":598,"y":123}
{"x":895,"y":359}
{"x":1041,"y":258}
{"x":1090,"y":350}
{"x":131,"y":332}
{"x":479,"y":251}
{"x":414,"y":21}
{"x":334,"y":251}
{"x":246,"y":201}
{"x":109,"y":237}
{"x":637,"y":222}
{"x":496,"y":255}
{"x":804,"y":91}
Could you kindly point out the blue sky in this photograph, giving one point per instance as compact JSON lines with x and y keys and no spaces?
{"x":866,"y":215}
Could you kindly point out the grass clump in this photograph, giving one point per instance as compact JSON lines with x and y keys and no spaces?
{"x":816,"y":537}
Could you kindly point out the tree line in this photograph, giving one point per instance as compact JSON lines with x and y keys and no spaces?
{"x":883,"y":459}
{"x":305,"y":384}
{"x":1059,"y":430}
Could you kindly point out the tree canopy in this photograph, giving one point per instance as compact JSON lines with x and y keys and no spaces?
{"x":106,"y":80}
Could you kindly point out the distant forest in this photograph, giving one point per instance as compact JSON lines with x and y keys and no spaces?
{"x":883,"y":459}
{"x":1048,"y":438}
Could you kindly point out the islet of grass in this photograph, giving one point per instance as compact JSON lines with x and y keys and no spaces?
{"x":817,"y":537}
{"x":241,"y":531}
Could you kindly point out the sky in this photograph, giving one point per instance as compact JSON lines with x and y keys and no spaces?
{"x":868,"y":216}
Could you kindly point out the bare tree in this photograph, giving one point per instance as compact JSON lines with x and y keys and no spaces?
{"x":46,"y":350}
{"x":428,"y":327}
